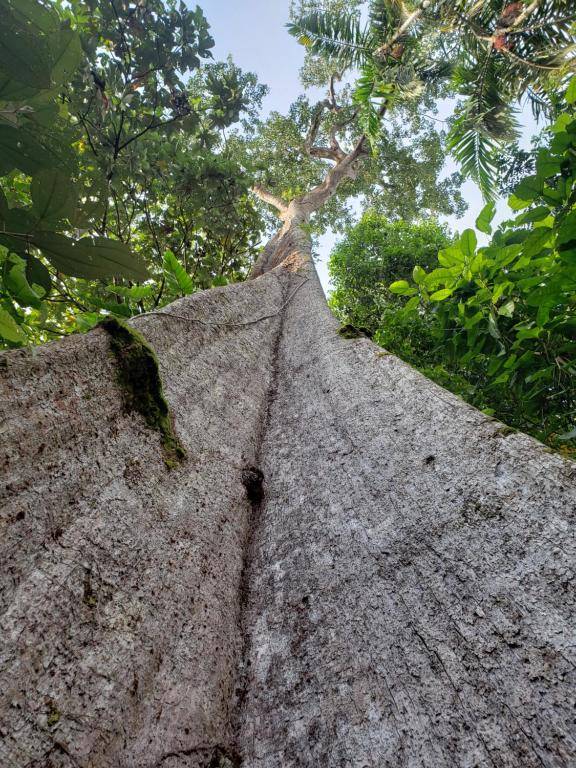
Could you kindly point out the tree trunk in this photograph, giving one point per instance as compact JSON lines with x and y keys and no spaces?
{"x":402,"y":595}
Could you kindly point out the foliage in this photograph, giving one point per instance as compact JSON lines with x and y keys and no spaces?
{"x":112,"y":156}
{"x":489,"y":54}
{"x":401,"y":179}
{"x":374,"y":253}
{"x":503,"y":316}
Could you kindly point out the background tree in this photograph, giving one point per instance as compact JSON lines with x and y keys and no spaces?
{"x":489,"y":54}
{"x":493,"y":324}
{"x":108,"y":143}
{"x":373,"y":254}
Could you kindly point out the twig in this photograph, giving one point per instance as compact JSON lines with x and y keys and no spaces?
{"x":228,"y":324}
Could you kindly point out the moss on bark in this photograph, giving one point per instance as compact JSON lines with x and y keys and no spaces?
{"x":139,"y":377}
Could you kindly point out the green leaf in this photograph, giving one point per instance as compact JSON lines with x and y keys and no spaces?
{"x":90,"y":258}
{"x":24,"y":56}
{"x":468,"y":242}
{"x":9,"y":329}
{"x":451,"y":256}
{"x":507,"y":310}
{"x":67,"y":56}
{"x":53,"y":195}
{"x":173,"y":268}
{"x":135,"y":292}
{"x":484,"y":220}
{"x":529,"y":188}
{"x":17,"y":284}
{"x":567,"y":230}
{"x":402,"y":288}
{"x":516,"y":204}
{"x":38,"y":274}
{"x":539,"y":213}
{"x":493,"y":329}
{"x":418,"y":275}
{"x":441,"y":295}
{"x":412,"y":303}
{"x":18,"y":149}
{"x":548,"y":165}
{"x":537,"y":240}
{"x":571,"y":91}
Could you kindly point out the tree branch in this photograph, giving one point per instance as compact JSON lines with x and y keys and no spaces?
{"x":271,"y":199}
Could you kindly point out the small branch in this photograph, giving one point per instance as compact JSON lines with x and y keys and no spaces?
{"x":225,"y":324}
{"x":327,"y":153}
{"x":271,"y":199}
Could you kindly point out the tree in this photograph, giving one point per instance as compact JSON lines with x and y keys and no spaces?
{"x":493,"y":54}
{"x":374,"y":253}
{"x":325,"y":559}
{"x":502,"y":316}
{"x":110,"y":130}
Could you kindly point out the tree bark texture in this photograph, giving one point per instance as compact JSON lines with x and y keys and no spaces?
{"x":401,"y":596}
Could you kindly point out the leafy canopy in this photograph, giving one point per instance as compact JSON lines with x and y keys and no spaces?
{"x":116,"y":191}
{"x":489,"y":54}
{"x":496,"y":324}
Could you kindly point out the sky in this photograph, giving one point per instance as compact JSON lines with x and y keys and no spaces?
{"x":254,"y":33}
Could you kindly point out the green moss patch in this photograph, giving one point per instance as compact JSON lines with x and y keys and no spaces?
{"x":139,"y":377}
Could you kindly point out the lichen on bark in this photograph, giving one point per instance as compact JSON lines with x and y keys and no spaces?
{"x":139,"y":377}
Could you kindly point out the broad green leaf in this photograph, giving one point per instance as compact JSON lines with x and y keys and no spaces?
{"x":539,"y":213}
{"x":561,"y":122}
{"x":516,"y":204}
{"x":18,"y":149}
{"x":507,"y":310}
{"x":529,"y":188}
{"x":537,"y":240}
{"x":567,"y":230}
{"x":24,"y":57}
{"x":90,"y":258}
{"x":67,"y":56}
{"x":493,"y":329}
{"x":402,"y":288}
{"x":31,"y":14}
{"x":451,"y":256}
{"x":412,"y":303}
{"x":484,"y":220}
{"x":441,"y":295}
{"x":9,"y":329}
{"x":135,"y":292}
{"x":468,"y":242}
{"x":418,"y":275}
{"x":53,"y":196}
{"x":38,"y":274}
{"x":173,"y":268}
{"x":547,"y":164}
{"x":15,"y":280}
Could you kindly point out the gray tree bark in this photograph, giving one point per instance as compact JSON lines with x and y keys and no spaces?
{"x":401,"y":595}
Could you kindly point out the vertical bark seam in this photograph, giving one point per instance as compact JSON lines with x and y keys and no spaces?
{"x":257,"y":503}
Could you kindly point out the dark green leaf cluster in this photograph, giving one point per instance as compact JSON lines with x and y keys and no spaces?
{"x":111,"y":157}
{"x":375,"y":252}
{"x":503,"y":316}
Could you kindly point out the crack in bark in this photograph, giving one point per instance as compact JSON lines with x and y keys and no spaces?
{"x":256,"y":500}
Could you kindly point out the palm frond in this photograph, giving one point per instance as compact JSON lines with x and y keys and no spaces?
{"x":484,"y":122}
{"x":337,"y":36}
